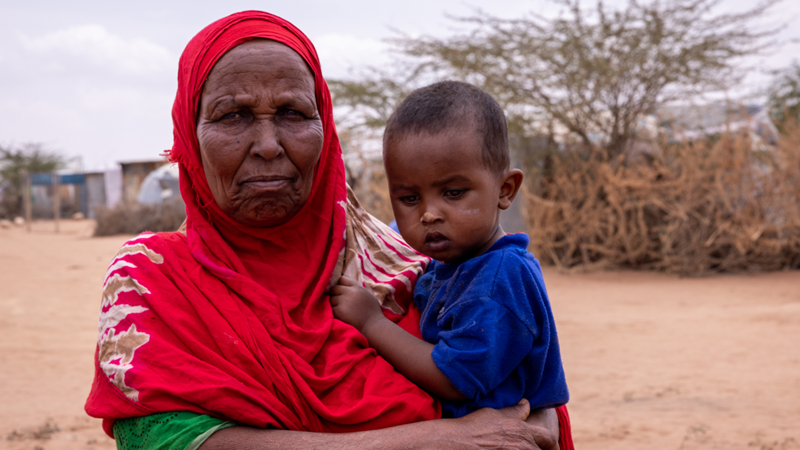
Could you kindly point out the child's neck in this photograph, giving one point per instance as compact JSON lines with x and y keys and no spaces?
{"x":494,"y":237}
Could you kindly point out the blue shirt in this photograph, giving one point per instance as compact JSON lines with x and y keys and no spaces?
{"x":493,"y":330}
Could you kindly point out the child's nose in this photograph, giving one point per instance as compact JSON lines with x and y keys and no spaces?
{"x":427,"y":218}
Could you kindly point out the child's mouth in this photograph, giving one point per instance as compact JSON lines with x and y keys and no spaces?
{"x":436,"y":242}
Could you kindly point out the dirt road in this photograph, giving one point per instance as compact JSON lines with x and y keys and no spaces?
{"x":653,"y":361}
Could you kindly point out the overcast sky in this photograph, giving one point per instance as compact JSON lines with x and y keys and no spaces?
{"x":97,"y":79}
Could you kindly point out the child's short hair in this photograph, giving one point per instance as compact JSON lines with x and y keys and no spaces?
{"x":450,"y":105}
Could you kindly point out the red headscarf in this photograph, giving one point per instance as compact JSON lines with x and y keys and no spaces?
{"x":233,"y":321}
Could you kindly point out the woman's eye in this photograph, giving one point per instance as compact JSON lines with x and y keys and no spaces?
{"x":231,"y":115}
{"x":293,"y":113}
{"x":454,"y":193}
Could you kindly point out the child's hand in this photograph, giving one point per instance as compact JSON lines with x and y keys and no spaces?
{"x":354,"y":304}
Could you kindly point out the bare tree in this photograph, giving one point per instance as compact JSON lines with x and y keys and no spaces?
{"x":32,"y":157}
{"x":784,"y":96}
{"x":594,"y":72}
{"x":371,"y":100}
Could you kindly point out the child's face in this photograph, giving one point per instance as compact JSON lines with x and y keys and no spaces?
{"x":445,"y":200}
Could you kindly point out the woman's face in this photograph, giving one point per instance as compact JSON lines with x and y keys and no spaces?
{"x":260,"y":133}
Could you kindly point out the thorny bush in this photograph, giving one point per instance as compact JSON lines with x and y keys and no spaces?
{"x":134,"y":218}
{"x":691,"y":208}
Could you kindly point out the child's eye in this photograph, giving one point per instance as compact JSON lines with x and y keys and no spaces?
{"x":409,"y":199}
{"x":454,"y":193}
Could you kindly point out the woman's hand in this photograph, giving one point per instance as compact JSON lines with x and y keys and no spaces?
{"x":354,"y":304}
{"x":546,"y":420}
{"x":509,"y":428}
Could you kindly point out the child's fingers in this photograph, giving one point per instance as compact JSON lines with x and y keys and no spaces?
{"x":344,"y":280}
{"x":337,"y":299}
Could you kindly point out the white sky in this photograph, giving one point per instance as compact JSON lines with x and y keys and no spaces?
{"x":97,"y":79}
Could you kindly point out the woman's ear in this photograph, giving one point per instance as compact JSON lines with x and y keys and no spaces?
{"x":510,"y":181}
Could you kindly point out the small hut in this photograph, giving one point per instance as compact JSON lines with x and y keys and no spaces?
{"x":133,"y":174}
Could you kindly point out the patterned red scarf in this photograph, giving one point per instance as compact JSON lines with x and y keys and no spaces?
{"x":233,"y":321}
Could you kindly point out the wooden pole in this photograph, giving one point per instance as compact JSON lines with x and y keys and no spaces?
{"x":56,"y":199}
{"x":26,"y":198}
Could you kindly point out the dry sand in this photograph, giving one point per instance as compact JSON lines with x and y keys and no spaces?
{"x":653,"y":361}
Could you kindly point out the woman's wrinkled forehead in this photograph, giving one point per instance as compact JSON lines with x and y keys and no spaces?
{"x":250,"y":57}
{"x":219,"y":38}
{"x":233,"y":55}
{"x":256,"y":44}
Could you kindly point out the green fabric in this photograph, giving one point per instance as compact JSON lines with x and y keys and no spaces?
{"x":198,"y":441}
{"x":170,"y":431}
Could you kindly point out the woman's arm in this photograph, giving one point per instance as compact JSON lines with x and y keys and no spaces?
{"x":487,"y":428}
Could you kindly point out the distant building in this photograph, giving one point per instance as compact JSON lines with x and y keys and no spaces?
{"x":85,"y":192}
{"x":113,"y":185}
{"x":101,"y":189}
{"x":95,"y":185}
{"x":72,"y":194}
{"x":133,"y":174}
{"x":161,"y":185}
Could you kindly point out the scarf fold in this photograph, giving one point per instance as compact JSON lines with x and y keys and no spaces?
{"x":187,"y":323}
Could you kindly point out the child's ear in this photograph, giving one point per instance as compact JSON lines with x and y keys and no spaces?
{"x":511,"y":182}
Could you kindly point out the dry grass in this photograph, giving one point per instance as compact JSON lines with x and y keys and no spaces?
{"x":134,"y":218}
{"x":711,"y":206}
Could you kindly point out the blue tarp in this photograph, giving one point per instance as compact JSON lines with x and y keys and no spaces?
{"x":46,"y":179}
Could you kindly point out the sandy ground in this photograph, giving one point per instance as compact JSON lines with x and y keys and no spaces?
{"x":653,"y":361}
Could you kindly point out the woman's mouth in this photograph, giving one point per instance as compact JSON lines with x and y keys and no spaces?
{"x":436,"y":242}
{"x":267,"y":183}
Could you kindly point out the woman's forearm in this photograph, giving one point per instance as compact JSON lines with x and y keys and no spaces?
{"x":487,"y":428}
{"x":421,"y":435}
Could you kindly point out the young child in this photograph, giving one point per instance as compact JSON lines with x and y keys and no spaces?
{"x":489,"y":335}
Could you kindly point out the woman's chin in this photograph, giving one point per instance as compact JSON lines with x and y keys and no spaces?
{"x":265,"y":215}
{"x":263,"y":208}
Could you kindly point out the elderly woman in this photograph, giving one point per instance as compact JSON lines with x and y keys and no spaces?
{"x":221,"y":336}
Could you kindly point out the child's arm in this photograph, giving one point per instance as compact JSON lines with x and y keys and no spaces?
{"x":355,"y":305}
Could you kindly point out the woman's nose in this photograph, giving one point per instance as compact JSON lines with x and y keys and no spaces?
{"x":266,"y":140}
